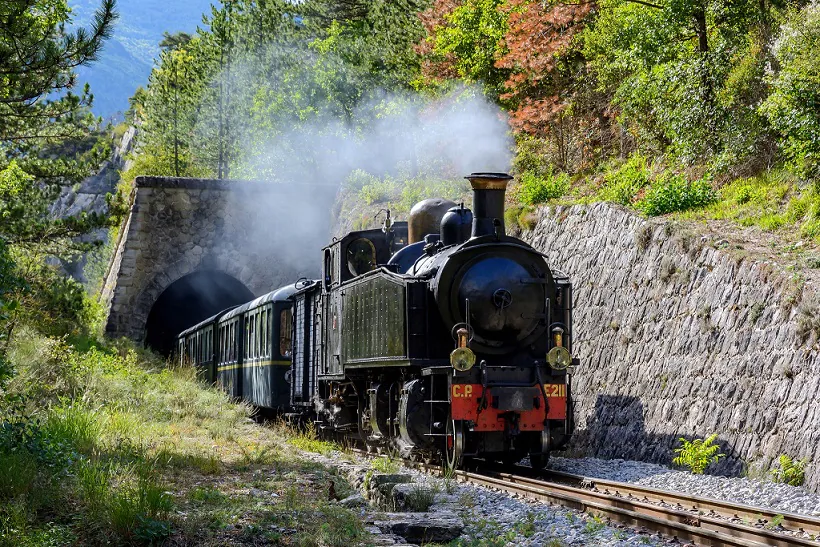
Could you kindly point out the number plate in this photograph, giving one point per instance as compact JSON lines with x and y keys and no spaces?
{"x":555,"y":390}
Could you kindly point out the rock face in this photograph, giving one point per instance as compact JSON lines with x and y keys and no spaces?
{"x":264,"y":235}
{"x":679,"y":339}
{"x":90,"y":195}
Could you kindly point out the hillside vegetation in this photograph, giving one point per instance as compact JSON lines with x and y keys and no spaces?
{"x":660,"y":106}
{"x":106,"y":444}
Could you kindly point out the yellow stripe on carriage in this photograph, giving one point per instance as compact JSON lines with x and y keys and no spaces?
{"x":250,"y":364}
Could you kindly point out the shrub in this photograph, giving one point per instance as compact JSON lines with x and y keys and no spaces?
{"x":378,"y":191}
{"x":698,"y":454}
{"x":385,"y":465}
{"x":792,"y":105}
{"x":673,"y":193}
{"x":340,"y":527}
{"x":534,"y":189}
{"x":789,"y":471}
{"x":622,"y":184}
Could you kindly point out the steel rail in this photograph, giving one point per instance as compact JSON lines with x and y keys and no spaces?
{"x":683,"y":525}
{"x":639,"y":506}
{"x":789,"y":521}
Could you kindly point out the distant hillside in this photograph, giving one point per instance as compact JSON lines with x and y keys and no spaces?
{"x":128,"y":56}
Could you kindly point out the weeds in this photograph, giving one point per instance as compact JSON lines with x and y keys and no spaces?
{"x":307,"y":439}
{"x":420,"y":498}
{"x":386,"y":465}
{"x":789,"y":471}
{"x":594,"y":525}
{"x":698,"y":454}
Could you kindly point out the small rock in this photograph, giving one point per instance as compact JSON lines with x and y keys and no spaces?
{"x":388,"y":478}
{"x":356,"y":500}
{"x":422,"y":527}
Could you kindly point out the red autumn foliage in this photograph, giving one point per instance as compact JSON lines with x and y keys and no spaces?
{"x":540,"y":36}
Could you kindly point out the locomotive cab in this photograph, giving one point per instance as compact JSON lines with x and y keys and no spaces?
{"x":360,"y":252}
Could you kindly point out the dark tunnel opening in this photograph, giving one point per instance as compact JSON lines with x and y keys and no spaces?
{"x":188,"y":301}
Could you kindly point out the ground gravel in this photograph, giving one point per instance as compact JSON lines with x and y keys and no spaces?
{"x":777,"y":497}
{"x":496,"y":519}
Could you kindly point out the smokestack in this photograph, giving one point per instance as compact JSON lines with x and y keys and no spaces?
{"x":488,"y":202}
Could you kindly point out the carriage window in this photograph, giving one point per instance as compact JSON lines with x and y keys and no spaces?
{"x":265,"y":333}
{"x":284,"y":333}
{"x":361,"y":256}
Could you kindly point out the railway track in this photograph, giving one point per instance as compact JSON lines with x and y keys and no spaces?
{"x":692,"y":519}
{"x":702,"y":521}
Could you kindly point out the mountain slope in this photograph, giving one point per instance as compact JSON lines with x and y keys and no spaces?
{"x":128,"y":56}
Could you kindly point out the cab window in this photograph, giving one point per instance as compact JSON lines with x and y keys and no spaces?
{"x":361,"y":256}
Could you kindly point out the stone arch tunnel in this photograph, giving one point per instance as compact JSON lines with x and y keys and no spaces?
{"x":192,"y":247}
{"x":188,"y":301}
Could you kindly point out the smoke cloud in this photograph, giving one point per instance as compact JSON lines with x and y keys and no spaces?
{"x":388,"y":134}
{"x":459,"y":133}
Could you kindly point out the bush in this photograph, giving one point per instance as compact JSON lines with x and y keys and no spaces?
{"x":698,"y":454}
{"x":789,"y":471}
{"x":792,"y":106}
{"x":534,"y":189}
{"x":673,"y":193}
{"x":621,"y":185}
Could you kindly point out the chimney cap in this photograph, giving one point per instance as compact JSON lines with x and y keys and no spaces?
{"x":488,"y":181}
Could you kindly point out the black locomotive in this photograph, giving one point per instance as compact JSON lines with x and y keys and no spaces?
{"x":438,"y":337}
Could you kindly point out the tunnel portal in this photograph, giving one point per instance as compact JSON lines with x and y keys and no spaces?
{"x":189,"y":300}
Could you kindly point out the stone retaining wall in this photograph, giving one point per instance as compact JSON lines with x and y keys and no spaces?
{"x":678,"y":338}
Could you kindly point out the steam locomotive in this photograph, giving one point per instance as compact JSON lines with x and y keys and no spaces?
{"x":440,"y":337}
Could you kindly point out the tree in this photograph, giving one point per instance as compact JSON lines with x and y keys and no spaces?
{"x":48,"y":138}
{"x":174,"y":41}
{"x":668,"y":64}
{"x":465,"y":40}
{"x":793,"y":107}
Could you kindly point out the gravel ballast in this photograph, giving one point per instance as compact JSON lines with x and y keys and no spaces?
{"x":776,"y":497}
{"x":497,"y":518}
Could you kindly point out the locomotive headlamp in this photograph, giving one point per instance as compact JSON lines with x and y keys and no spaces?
{"x":462,"y":358}
{"x":558,"y":336}
{"x":559,"y":358}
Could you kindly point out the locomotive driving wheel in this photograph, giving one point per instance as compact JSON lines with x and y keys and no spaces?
{"x":453,"y":444}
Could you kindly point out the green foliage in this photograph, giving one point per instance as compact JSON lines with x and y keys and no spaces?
{"x":789,"y":471}
{"x":792,"y":106}
{"x":339,"y":527}
{"x":384,"y":464}
{"x":698,"y":454}
{"x":403,"y":190}
{"x":307,"y":439}
{"x":473,"y":37}
{"x":420,"y":498}
{"x":693,"y":95}
{"x":594,"y":525}
{"x":672,"y":193}
{"x":623,"y":183}
{"x":534,"y":188}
